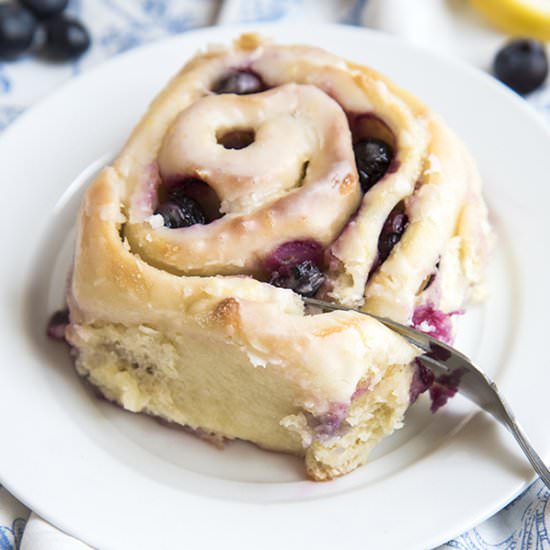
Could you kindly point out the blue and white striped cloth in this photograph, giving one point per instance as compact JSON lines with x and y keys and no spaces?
{"x":118,"y":25}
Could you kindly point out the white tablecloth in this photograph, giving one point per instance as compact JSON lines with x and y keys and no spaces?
{"x":118,"y":25}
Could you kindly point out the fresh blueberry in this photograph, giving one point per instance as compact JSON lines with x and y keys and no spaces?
{"x":17,"y":28}
{"x":239,"y":82}
{"x":43,"y":9}
{"x":522,"y":65}
{"x":66,"y":38}
{"x":305,"y":279}
{"x":181,"y":212}
{"x":392,"y":231}
{"x":373,"y":158}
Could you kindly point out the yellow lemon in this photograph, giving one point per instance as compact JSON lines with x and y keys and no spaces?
{"x":517,"y":17}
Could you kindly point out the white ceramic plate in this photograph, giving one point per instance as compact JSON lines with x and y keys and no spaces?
{"x":118,"y":480}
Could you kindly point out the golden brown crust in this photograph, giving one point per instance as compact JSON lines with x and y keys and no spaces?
{"x":227,"y":313}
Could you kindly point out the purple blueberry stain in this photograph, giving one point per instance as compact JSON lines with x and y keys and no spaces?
{"x":434,"y":322}
{"x":328,"y":424}
{"x":57,"y":324}
{"x":445,"y":387}
{"x":440,"y":388}
{"x":438,"y":325}
{"x":240,"y":82}
{"x":422,"y":380}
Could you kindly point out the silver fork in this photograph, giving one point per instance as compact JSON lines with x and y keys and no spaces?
{"x":443,"y":359}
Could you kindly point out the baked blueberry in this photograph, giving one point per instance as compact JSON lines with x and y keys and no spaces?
{"x":290,"y":254}
{"x":392,"y":231}
{"x":305,"y":278}
{"x":45,"y":8}
{"x":195,"y":189}
{"x":66,"y":38}
{"x":373,"y":158}
{"x":239,"y":82}
{"x":522,"y":65}
{"x":17,"y":28}
{"x":181,"y":212}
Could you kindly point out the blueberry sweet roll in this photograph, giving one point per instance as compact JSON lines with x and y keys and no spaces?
{"x":263,"y":173}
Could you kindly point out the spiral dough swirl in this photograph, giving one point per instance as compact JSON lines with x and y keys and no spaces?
{"x":297,"y":180}
{"x":417,"y":235}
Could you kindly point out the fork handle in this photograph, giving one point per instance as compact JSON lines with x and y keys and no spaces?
{"x":506,"y":417}
{"x":492,"y":402}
